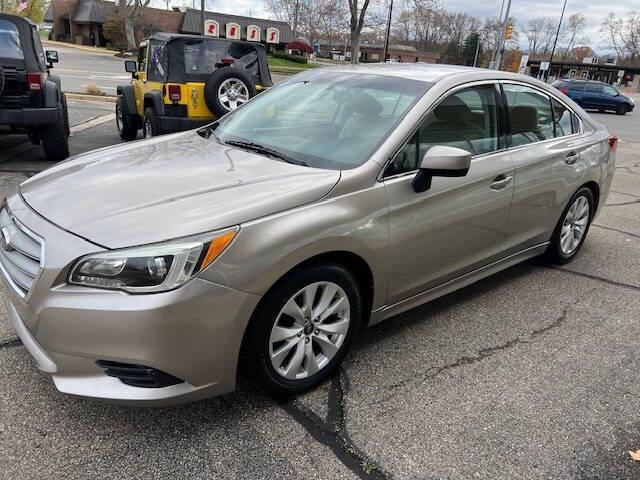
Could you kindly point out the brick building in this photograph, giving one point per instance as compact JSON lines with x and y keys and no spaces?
{"x":373,"y":52}
{"x":82,"y":22}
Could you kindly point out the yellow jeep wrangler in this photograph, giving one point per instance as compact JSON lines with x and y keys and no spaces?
{"x":181,"y":82}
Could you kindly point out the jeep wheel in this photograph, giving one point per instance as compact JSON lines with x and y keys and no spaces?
{"x":127,"y":128}
{"x":150,"y":127}
{"x":55,"y":137}
{"x":227,"y":89}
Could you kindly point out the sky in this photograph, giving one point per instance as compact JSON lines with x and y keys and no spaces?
{"x":523,"y":10}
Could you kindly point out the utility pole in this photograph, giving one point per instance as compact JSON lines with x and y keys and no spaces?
{"x":386,"y":40}
{"x":498,"y":55}
{"x":202,"y":17}
{"x":475,"y":59}
{"x":295,"y":20}
{"x":553,"y":50}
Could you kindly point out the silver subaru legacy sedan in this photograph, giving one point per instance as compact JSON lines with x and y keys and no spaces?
{"x":153,"y":272}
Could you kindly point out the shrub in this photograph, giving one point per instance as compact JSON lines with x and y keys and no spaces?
{"x":293,"y":58}
{"x":300,"y":46}
{"x":93,"y":89}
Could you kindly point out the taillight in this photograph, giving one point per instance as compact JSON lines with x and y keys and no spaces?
{"x":34,"y":80}
{"x":613,"y":143}
{"x":174,"y":92}
{"x":564,"y":90}
{"x":227,"y":60}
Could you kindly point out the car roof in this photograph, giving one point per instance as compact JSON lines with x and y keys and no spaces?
{"x":16,"y":18}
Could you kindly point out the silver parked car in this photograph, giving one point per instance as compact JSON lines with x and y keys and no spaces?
{"x":151,"y":272}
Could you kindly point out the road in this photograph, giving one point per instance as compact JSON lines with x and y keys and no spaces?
{"x":80,"y":68}
{"x":530,"y":374}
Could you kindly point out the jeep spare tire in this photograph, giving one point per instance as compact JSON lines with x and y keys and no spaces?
{"x":227,"y":89}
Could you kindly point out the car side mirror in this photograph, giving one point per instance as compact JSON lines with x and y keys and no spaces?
{"x":52,"y":57}
{"x":441,"y":161}
{"x":131,"y":67}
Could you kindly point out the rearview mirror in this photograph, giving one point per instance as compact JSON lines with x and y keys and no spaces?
{"x":441,"y":161}
{"x":131,"y":67}
{"x":52,"y":57}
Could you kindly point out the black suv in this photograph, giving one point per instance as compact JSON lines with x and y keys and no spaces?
{"x":31,"y":100}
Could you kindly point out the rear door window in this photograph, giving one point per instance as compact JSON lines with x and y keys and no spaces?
{"x":593,"y":88}
{"x":10,"y":41}
{"x":530,"y":115}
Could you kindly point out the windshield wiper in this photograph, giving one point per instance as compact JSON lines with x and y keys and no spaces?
{"x":269,"y":152}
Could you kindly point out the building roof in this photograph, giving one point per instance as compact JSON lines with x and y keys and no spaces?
{"x":93,"y":11}
{"x":191,"y":23}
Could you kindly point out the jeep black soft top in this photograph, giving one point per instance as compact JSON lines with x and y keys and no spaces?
{"x":31,"y":100}
{"x":168,"y":59}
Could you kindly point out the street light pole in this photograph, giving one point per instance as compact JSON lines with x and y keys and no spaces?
{"x":386,"y":40}
{"x":475,"y":59}
{"x":553,"y":50}
{"x":295,"y":20}
{"x":505,"y":23}
{"x":202,"y":17}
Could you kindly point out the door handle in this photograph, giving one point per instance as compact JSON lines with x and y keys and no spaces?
{"x":500,"y":182}
{"x":572,"y":157}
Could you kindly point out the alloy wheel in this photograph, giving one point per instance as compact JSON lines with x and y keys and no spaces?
{"x":119,"y":119}
{"x":233,"y":93}
{"x":574,"y":225}
{"x":309,"y":330}
{"x":148,"y":129}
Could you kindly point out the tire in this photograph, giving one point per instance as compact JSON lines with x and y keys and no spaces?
{"x":150,"y":127}
{"x":622,"y":109}
{"x":55,"y":137}
{"x":259,"y":345}
{"x":219,"y":82}
{"x":556,"y":251}
{"x":126,"y":124}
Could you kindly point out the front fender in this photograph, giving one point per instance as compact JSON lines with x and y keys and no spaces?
{"x":129,"y":99}
{"x":266,"y":249}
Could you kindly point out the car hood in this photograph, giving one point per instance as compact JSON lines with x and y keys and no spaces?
{"x":168,"y":187}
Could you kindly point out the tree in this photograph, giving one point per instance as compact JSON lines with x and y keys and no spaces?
{"x":130,"y":11}
{"x":540,"y":32}
{"x":572,"y":29}
{"x":623,"y":35}
{"x":356,"y":24}
{"x":468,"y":53}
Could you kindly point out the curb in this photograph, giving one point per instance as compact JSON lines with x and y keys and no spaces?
{"x":91,"y":98}
{"x":98,"y":51}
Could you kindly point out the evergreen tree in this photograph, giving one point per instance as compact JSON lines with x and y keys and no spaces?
{"x":469,"y":49}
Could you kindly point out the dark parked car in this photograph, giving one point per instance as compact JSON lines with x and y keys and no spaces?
{"x":591,"y":94}
{"x":31,"y":99}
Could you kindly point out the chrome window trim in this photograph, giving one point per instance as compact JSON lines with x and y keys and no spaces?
{"x":381,"y":177}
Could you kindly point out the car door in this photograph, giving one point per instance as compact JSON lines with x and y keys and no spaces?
{"x":610,"y":97}
{"x":545,"y":149}
{"x":592,"y":96}
{"x":459,"y":223}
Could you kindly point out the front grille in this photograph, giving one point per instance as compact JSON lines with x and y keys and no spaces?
{"x":21,"y":253}
{"x":138,"y":375}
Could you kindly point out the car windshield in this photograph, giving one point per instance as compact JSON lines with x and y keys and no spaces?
{"x":9,"y":41}
{"x":332,"y":120}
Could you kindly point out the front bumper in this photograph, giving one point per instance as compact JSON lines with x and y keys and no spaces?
{"x":193,"y":333}
{"x":27,"y":117}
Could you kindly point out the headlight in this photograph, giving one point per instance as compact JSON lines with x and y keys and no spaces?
{"x":152,"y":268}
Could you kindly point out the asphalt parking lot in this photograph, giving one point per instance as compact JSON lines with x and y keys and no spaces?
{"x":530,"y":374}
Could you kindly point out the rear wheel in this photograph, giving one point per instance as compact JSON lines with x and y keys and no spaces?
{"x":303,"y":329}
{"x":150,"y":127}
{"x":572,"y":228}
{"x":126,"y":124}
{"x":622,"y":109}
{"x":55,"y":137}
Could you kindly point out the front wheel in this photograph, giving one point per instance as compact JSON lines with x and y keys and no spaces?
{"x":572,"y":228}
{"x":622,"y":109}
{"x":126,"y":125}
{"x":302,"y":330}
